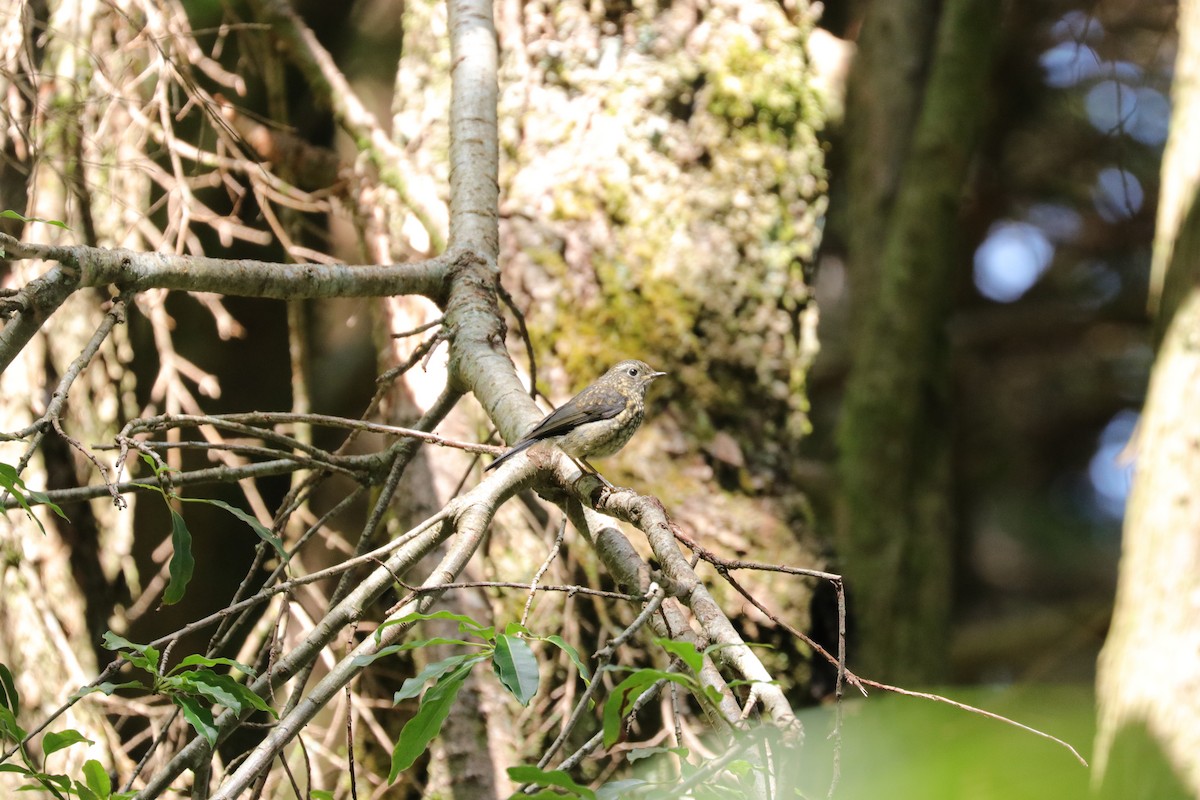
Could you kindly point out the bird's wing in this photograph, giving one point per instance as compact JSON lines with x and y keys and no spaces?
{"x":591,"y":405}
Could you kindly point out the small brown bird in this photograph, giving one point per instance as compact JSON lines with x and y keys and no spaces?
{"x":598,"y":421}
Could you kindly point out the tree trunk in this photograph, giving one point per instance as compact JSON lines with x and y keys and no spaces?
{"x":896,"y":520}
{"x":1148,"y":684}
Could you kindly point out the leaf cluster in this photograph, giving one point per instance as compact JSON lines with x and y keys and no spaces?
{"x":513,"y":664}
{"x":191,"y":685}
{"x":96,"y":783}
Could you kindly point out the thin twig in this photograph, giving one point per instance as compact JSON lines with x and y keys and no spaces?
{"x":533,"y":584}
{"x":418,"y":329}
{"x":525,"y":337}
{"x":937,"y":698}
{"x":655,"y":597}
{"x":796,"y":632}
{"x":197,"y":477}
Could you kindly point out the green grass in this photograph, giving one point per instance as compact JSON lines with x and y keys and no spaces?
{"x":897,"y":747}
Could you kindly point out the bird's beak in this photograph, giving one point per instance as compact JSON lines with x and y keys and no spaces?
{"x":657,"y":374}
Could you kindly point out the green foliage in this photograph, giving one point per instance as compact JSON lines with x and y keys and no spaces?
{"x":9,"y":698}
{"x":12,"y":483}
{"x":661,"y":773}
{"x":191,"y":684}
{"x":419,"y":731}
{"x":52,"y":742}
{"x":95,"y":785}
{"x":620,"y":701}
{"x":8,"y":213}
{"x":571,"y":652}
{"x":512,"y":661}
{"x":183,"y":564}
{"x":555,"y":777}
{"x":515,"y":666}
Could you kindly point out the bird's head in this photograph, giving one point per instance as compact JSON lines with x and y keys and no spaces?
{"x":632,"y":374}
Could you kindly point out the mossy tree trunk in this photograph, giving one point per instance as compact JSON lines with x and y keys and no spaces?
{"x":913,"y":128}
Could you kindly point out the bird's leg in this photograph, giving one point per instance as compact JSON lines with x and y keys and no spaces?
{"x":583,"y":464}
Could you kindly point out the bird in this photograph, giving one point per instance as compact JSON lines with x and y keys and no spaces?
{"x":598,"y":421}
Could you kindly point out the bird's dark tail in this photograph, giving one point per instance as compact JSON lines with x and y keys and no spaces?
{"x":518,"y":447}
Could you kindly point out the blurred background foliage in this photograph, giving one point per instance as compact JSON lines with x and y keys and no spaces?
{"x":1049,"y":339}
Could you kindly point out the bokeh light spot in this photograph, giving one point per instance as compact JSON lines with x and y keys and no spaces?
{"x":1117,"y":194}
{"x":1110,"y":472}
{"x":1111,"y":106}
{"x":1010,"y":260}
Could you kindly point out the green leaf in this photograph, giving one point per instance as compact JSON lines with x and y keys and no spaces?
{"x":9,"y":697}
{"x":198,"y":716}
{"x":195,"y":659}
{"x":84,"y":792}
{"x":419,"y":731}
{"x":107,"y":688}
{"x":571,"y":652}
{"x":55,"y":784}
{"x":182,"y":564}
{"x":517,"y":629}
{"x":96,"y":777}
{"x":320,"y":794}
{"x":638,"y":753}
{"x":12,"y":483}
{"x":625,"y":693}
{"x":195,"y":682}
{"x":555,"y":777}
{"x":140,"y":655}
{"x":685,"y":652}
{"x":614,"y":706}
{"x":10,"y":214}
{"x":52,"y":742}
{"x":616,"y":790}
{"x":370,"y":658}
{"x":465,"y":623}
{"x":9,"y":729}
{"x":155,"y":466}
{"x":220,"y":689}
{"x":264,"y":533}
{"x":44,"y":499}
{"x":516,"y":667}
{"x":413,"y":686}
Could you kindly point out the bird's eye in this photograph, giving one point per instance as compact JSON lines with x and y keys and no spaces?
{"x":633,"y":372}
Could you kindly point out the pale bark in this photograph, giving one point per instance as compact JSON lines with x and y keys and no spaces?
{"x":1148,"y":685}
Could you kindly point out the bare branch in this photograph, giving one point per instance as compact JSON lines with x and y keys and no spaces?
{"x":32,"y":305}
{"x":468,"y":517}
{"x":137,"y":272}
